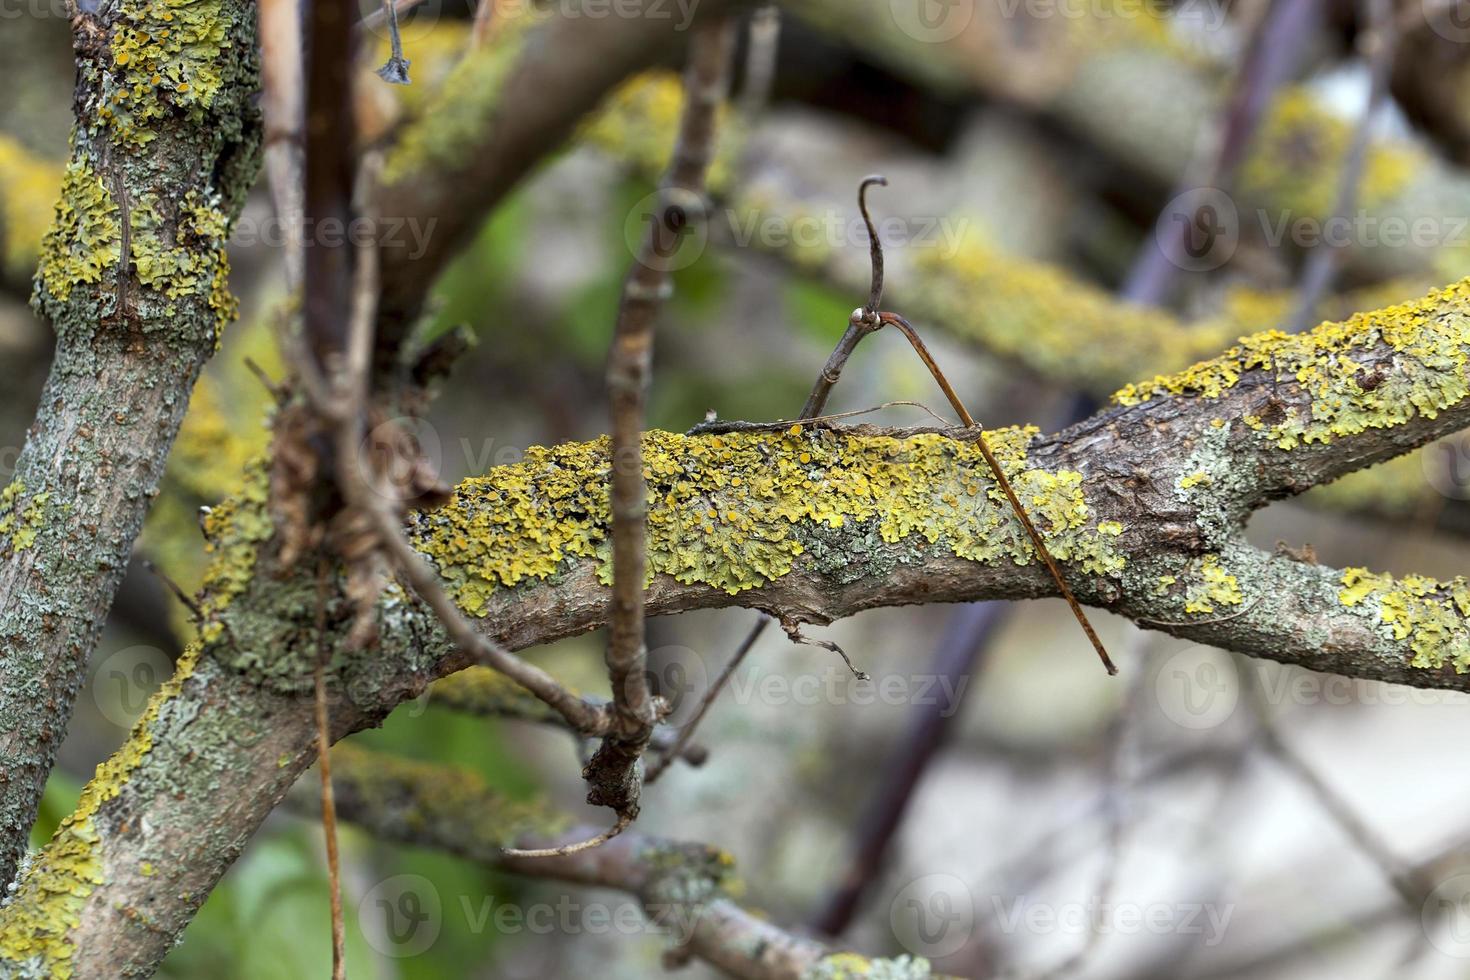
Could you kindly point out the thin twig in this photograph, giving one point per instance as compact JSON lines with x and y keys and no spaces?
{"x":611,"y":774}
{"x":324,"y":767}
{"x":395,"y":70}
{"x":1379,"y":39}
{"x":764,"y":41}
{"x":711,"y":693}
{"x":176,"y":589}
{"x":549,"y":852}
{"x":794,"y":633}
{"x":1005,"y":485}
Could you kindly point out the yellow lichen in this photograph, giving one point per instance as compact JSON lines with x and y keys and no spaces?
{"x":1430,"y":336}
{"x":1428,"y":613}
{"x":28,"y":186}
{"x":639,"y":122}
{"x":49,"y":899}
{"x":1213,"y":586}
{"x":20,"y":519}
{"x":85,"y":236}
{"x":528,"y":521}
{"x":1299,"y":152}
{"x":167,"y":56}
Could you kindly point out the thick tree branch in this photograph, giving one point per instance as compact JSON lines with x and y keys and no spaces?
{"x":1143,"y":503}
{"x":680,"y":886}
{"x":133,"y":278}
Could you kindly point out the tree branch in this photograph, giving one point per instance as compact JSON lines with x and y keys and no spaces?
{"x":133,"y":278}
{"x":1143,"y":503}
{"x":681,"y":886}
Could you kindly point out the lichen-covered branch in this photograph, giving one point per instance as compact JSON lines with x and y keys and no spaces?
{"x":682,"y":887}
{"x":505,"y":107}
{"x":132,"y":277}
{"x":1137,"y":91}
{"x":1143,"y":504}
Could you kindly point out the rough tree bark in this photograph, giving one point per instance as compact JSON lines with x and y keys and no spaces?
{"x":133,"y":278}
{"x":1144,"y":503}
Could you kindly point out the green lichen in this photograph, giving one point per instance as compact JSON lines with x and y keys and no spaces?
{"x":444,"y":135}
{"x":736,"y":511}
{"x":168,"y":56}
{"x":431,"y":801}
{"x":1430,"y":338}
{"x":639,"y":122}
{"x":1428,"y":613}
{"x":20,"y":518}
{"x":85,"y":239}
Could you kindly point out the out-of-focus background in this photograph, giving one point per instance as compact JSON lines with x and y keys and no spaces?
{"x":1081,"y":193}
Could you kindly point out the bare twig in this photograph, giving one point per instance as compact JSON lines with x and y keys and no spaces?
{"x":764,"y":41}
{"x":611,"y":774}
{"x":711,"y":693}
{"x":1404,"y":881}
{"x":795,"y":635}
{"x":1378,"y":39}
{"x":565,"y":850}
{"x":395,"y":70}
{"x":324,"y":768}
